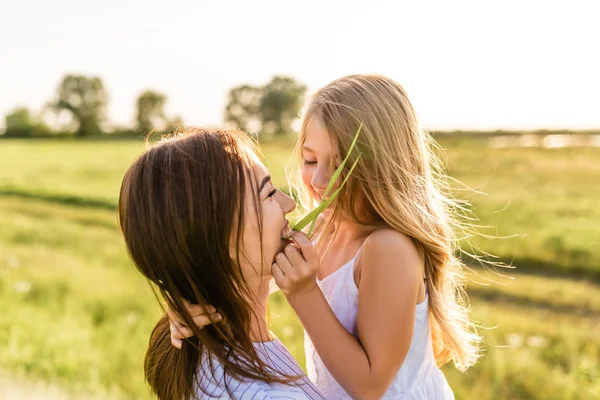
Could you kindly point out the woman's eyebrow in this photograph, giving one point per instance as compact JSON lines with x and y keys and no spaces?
{"x":265,"y":180}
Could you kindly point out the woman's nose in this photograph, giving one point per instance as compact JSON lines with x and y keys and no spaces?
{"x":287,"y":203}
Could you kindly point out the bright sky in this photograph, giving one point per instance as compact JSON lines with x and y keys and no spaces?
{"x":465,"y":64}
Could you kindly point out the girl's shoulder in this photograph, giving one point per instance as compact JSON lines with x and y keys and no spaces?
{"x":388,"y":247}
{"x":388,"y":240}
{"x":389,"y":263}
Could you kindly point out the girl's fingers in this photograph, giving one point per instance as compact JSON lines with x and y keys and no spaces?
{"x":283,"y":263}
{"x":197,"y":309}
{"x":201,"y":315}
{"x":202,"y":320}
{"x":293,"y":255}
{"x":176,"y":342}
{"x":278,"y":274}
{"x":193,"y":309}
{"x":181,"y":332}
{"x":308,"y":250}
{"x":199,"y":320}
{"x":176,"y":337}
{"x":173,"y":316}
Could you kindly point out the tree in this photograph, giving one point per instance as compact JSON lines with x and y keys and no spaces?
{"x":19,"y":118}
{"x":174,"y":123}
{"x":85,"y":99}
{"x":280,"y":104}
{"x":150,"y":111}
{"x":242,"y":106}
{"x":20,"y":123}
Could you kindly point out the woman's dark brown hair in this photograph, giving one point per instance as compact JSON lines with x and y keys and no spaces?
{"x":181,"y":203}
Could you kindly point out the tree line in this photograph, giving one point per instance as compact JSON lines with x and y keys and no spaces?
{"x":81,"y":103}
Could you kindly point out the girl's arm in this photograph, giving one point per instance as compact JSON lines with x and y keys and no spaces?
{"x":389,"y":285}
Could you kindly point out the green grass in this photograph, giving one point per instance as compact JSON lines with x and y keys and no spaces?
{"x":546,"y":197}
{"x":77,"y":316}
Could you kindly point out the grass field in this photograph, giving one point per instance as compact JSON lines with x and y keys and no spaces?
{"x":76,"y":316}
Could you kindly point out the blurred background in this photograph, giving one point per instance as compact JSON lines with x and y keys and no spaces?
{"x":508,"y":89}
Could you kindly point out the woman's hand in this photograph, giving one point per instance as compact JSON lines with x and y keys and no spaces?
{"x":295,"y":270}
{"x":201,"y":316}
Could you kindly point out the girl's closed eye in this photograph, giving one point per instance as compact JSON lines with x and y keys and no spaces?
{"x":272,"y":193}
{"x":309,"y":162}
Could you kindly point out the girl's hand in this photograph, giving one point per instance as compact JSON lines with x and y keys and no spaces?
{"x":201,"y":316}
{"x":295,"y":270}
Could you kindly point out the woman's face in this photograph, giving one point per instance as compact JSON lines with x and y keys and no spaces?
{"x":275,"y":205}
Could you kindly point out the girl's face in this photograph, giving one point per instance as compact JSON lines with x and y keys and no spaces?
{"x":318,"y":159}
{"x":275,"y":205}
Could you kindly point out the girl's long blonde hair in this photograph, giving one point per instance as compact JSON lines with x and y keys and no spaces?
{"x":399,"y":182}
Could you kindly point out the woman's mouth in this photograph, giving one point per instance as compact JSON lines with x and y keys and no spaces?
{"x":286,"y":232}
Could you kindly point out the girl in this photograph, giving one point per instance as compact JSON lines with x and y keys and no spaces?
{"x":386,"y":306}
{"x":203,"y":222}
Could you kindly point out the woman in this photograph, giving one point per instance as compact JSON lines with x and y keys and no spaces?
{"x":203,"y":222}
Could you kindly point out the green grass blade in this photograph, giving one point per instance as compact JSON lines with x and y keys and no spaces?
{"x":336,"y":175}
{"x":350,"y":172}
{"x":339,"y":169}
{"x":335,"y":194}
{"x":312,"y":226}
{"x":312,"y":216}
{"x":309,"y":217}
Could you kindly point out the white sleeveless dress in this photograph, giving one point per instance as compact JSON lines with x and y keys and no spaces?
{"x":419,"y":378}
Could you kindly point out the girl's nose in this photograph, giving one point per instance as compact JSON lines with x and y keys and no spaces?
{"x":319,"y":181}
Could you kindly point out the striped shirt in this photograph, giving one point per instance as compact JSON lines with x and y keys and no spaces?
{"x":276,"y":356}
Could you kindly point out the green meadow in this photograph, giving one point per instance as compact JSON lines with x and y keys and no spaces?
{"x":76,"y":316}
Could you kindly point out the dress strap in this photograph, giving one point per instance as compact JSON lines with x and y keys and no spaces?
{"x":360,"y":248}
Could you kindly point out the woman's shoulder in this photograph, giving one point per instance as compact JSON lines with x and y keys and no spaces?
{"x":279,"y":392}
{"x":251,"y":389}
{"x":212,"y":380}
{"x":214,"y":383}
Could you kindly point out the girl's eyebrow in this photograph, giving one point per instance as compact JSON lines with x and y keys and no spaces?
{"x":307,"y":148}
